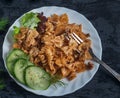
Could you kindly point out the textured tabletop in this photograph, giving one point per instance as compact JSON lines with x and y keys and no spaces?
{"x":104,"y":15}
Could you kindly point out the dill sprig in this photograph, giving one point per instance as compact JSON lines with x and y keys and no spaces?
{"x":3,"y":23}
{"x":56,"y":81}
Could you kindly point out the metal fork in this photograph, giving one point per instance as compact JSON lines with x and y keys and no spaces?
{"x":94,"y":57}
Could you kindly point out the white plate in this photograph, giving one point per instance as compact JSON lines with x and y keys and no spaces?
{"x":82,"y":78}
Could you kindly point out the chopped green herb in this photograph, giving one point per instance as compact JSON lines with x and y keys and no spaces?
{"x":30,"y":20}
{"x":55,"y":80}
{"x":16,"y":30}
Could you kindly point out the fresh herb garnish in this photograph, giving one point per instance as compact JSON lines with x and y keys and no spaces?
{"x":16,"y":30}
{"x":3,"y":23}
{"x":30,"y":20}
{"x":55,"y":80}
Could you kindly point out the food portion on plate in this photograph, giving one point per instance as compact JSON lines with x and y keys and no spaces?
{"x":43,"y":54}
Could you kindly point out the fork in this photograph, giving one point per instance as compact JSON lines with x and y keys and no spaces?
{"x":94,"y":57}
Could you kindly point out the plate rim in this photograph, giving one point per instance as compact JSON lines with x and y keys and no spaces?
{"x":60,"y":8}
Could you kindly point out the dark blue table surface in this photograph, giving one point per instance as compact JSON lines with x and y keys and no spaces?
{"x":104,"y":15}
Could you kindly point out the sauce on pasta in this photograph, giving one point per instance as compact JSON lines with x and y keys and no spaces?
{"x":49,"y":48}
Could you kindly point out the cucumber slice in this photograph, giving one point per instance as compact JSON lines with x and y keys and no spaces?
{"x":36,"y":78}
{"x":12,"y":57}
{"x":19,"y":68}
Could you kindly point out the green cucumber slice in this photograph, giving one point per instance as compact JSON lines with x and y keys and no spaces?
{"x":19,"y":68}
{"x":12,"y":58}
{"x":36,"y":78}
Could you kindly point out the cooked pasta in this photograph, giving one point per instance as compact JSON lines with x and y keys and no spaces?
{"x":53,"y":50}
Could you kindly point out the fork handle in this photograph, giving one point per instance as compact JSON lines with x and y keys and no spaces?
{"x":113,"y":72}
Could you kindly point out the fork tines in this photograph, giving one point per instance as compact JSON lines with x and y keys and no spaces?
{"x":76,"y":38}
